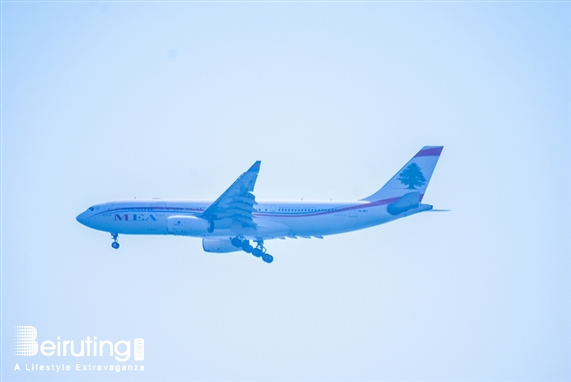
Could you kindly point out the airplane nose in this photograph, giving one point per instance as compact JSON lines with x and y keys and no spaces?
{"x":81,"y":218}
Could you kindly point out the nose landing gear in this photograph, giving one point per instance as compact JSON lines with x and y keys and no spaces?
{"x":115,"y":244}
{"x":258,"y":251}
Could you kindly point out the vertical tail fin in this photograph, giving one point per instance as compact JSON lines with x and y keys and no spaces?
{"x":413,"y":177}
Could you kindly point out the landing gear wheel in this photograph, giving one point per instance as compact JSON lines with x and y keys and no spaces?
{"x":257,"y":252}
{"x":114,"y":236}
{"x":267,"y":258}
{"x":246,"y":247}
{"x":236,"y":242}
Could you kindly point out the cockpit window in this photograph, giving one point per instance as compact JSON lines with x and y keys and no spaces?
{"x":90,"y":209}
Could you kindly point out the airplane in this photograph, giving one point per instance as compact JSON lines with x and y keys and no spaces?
{"x":235,"y":219}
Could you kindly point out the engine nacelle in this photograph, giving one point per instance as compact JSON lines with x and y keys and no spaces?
{"x":187,"y":226}
{"x":218,"y":246}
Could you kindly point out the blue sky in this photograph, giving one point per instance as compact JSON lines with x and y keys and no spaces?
{"x":110,"y":101}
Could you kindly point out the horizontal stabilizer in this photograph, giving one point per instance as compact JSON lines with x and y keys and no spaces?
{"x":405,"y":203}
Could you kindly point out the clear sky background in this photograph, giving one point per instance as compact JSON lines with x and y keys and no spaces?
{"x":110,"y":101}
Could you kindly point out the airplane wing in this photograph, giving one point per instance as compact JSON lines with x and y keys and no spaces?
{"x":237,"y":202}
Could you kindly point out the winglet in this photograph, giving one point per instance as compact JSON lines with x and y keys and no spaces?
{"x":255,"y":167}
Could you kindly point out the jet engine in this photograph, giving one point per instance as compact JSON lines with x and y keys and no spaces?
{"x":187,"y":226}
{"x":218,"y":246}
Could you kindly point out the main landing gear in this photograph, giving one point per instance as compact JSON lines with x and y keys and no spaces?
{"x":115,"y":244}
{"x":258,"y":251}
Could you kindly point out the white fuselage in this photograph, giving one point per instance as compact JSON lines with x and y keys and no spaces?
{"x":273,"y":219}
{"x":234,"y":220}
